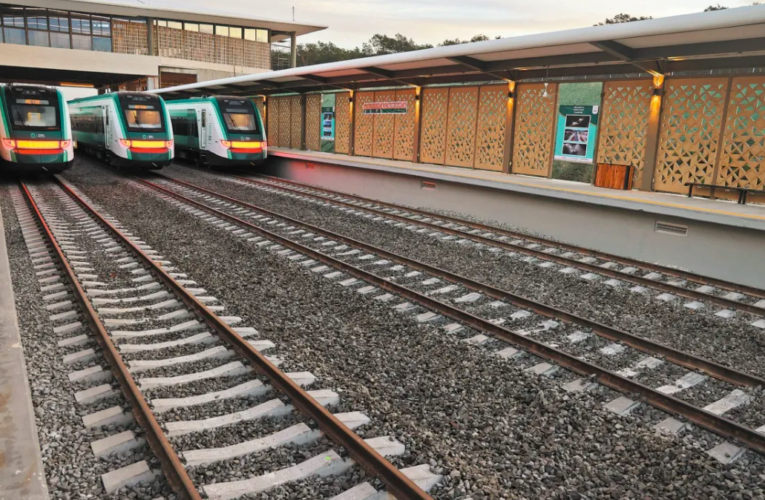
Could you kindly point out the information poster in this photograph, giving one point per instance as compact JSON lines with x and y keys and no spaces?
{"x":328,"y":124}
{"x":577,"y":131}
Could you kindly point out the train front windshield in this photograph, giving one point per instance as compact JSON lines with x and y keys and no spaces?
{"x":139,"y":116}
{"x":238,"y":115}
{"x":34,"y":114}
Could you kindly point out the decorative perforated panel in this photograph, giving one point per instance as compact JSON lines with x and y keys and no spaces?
{"x":742,"y":163}
{"x":624,"y":123}
{"x":296,"y":123}
{"x":313,"y":122}
{"x":285,"y":115}
{"x":364,"y":133}
{"x":272,"y":117}
{"x":490,"y":134}
{"x":460,"y":135}
{"x":383,"y":128}
{"x":435,"y":104}
{"x":342,"y":123}
{"x":404,"y":127}
{"x":690,"y":132}
{"x":534,"y":119}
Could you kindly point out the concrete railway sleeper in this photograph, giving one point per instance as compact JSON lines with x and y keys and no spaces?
{"x":739,"y":297}
{"x":324,"y":249}
{"x":151,"y":323}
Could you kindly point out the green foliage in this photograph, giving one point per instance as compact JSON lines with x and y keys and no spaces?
{"x":623,"y":18}
{"x":579,"y":94}
{"x":713,"y":8}
{"x":570,"y":171}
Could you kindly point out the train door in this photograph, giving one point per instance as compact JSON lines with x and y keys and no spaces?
{"x":203,"y":130}
{"x":107,"y":127}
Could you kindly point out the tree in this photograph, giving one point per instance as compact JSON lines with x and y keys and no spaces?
{"x":713,"y":8}
{"x":457,"y":41}
{"x":384,"y":44}
{"x":623,"y":18}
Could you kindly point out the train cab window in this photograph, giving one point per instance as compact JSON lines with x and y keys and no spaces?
{"x":37,"y":114}
{"x":139,"y":116}
{"x":239,"y":116}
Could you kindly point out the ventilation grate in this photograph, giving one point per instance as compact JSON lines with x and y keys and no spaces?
{"x":427,"y":185}
{"x":675,"y":229}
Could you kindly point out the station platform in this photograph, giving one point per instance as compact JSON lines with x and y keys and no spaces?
{"x":712,"y":237}
{"x":21,"y":469}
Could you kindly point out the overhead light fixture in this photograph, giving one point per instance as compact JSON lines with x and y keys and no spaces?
{"x":509,"y":94}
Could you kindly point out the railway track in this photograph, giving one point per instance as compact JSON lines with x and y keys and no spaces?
{"x":732,"y":297}
{"x":669,"y":378}
{"x":187,"y":372}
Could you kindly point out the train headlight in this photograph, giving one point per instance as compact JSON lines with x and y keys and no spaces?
{"x":9,"y":143}
{"x":125,"y":143}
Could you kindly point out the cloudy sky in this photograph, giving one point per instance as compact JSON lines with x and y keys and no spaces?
{"x":352,"y":22}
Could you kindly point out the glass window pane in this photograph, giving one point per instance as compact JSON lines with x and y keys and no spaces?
{"x":162,"y":23}
{"x":102,"y":44}
{"x":263,"y":36}
{"x":102,"y":26}
{"x":38,"y":38}
{"x":60,"y":40}
{"x":13,"y":16}
{"x":15,"y":36}
{"x":37,"y":19}
{"x":81,"y":42}
{"x":249,"y":34}
{"x":235,"y":32}
{"x":59,"y":21}
{"x":81,"y":24}
{"x":221,"y":30}
{"x":175,"y":25}
{"x":191,"y":27}
{"x":206,"y":28}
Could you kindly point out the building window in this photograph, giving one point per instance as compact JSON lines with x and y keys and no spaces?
{"x":60,"y":40}
{"x":235,"y":32}
{"x":81,"y":42}
{"x":80,"y":24}
{"x":221,"y":30}
{"x":191,"y":27}
{"x":102,"y":44}
{"x":101,"y":26}
{"x":206,"y":28}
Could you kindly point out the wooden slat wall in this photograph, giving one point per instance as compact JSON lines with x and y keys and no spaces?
{"x":364,"y":133}
{"x":460,"y":135}
{"x":534,"y":129}
{"x":404,"y":128}
{"x":343,"y":123}
{"x":382,"y":139}
{"x":490,"y":132}
{"x":435,"y":107}
{"x":624,"y":124}
{"x":313,"y":122}
{"x":296,"y":123}
{"x":691,"y":124}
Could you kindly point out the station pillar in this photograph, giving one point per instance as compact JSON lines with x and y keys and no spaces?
{"x":293,"y":50}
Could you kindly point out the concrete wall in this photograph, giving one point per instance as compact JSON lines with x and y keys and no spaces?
{"x":26,"y":56}
{"x":204,"y":70}
{"x":715,"y":250}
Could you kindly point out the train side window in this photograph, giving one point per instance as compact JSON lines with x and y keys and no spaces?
{"x":204,"y":119}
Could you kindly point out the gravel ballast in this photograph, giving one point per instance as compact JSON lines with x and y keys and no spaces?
{"x":492,"y":430}
{"x":733,"y":342}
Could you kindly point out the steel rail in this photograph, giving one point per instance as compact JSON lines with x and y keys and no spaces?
{"x":715,"y":423}
{"x":171,"y":465}
{"x":566,"y":261}
{"x":677,"y":273}
{"x":374,"y":463}
{"x":679,"y":357}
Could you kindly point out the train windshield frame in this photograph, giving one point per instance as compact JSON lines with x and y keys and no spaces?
{"x":34,"y":114}
{"x":238,"y":116}
{"x":142,"y":113}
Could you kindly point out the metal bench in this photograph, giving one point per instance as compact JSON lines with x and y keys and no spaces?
{"x":742,"y":192}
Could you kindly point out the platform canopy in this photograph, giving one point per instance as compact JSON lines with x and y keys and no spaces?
{"x":720,"y":40}
{"x":177,"y":11}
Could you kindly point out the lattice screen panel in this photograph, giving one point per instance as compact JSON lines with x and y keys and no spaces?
{"x":258,"y":102}
{"x":460,"y":135}
{"x":624,"y":123}
{"x":272,"y":117}
{"x":435,"y":104}
{"x":364,"y":134}
{"x":742,"y":163}
{"x":534,"y":122}
{"x":382,"y":146}
{"x":285,"y":116}
{"x":490,"y":133}
{"x":342,"y":123}
{"x":313,"y":122}
{"x":296,"y":123}
{"x":690,"y":132}
{"x":403,"y":126}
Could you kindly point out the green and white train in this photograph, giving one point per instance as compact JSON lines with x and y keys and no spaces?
{"x":124,"y":129}
{"x":218,"y":131}
{"x":35,"y":134}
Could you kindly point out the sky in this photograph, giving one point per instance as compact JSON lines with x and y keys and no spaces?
{"x":352,"y":22}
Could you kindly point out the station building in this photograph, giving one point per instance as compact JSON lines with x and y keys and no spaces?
{"x":132,"y":44}
{"x":504,"y":129}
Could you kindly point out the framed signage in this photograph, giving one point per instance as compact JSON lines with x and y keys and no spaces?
{"x":385,"y":108}
{"x":577,"y":130}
